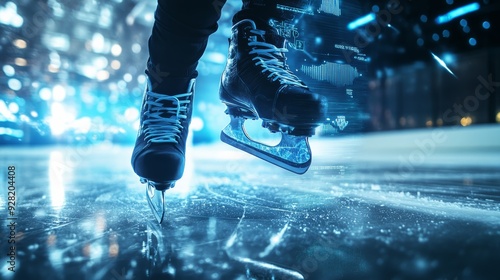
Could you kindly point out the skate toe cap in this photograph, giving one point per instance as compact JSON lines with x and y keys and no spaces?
{"x":300,"y":106}
{"x":159,"y":166}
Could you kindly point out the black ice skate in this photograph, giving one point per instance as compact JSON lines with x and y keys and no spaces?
{"x":159,"y":152}
{"x":258,"y":84}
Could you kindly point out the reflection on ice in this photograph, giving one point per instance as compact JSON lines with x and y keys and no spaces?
{"x":57,"y":173}
{"x":263,"y":270}
{"x":465,"y":208}
{"x":275,"y":240}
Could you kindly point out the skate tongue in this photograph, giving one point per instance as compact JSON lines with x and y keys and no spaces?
{"x":272,"y":37}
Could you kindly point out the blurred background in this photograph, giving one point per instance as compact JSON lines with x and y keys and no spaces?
{"x":73,"y":71}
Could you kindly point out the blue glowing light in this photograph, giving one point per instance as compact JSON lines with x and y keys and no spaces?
{"x":14,"y":84}
{"x":361,"y":21}
{"x":197,"y":124}
{"x":448,"y":58}
{"x":45,"y":94}
{"x":486,"y":25}
{"x":58,"y":93}
{"x":5,"y":113}
{"x":61,"y":118}
{"x":13,"y":107}
{"x":9,"y":15}
{"x":443,"y":64}
{"x":216,"y":57}
{"x":17,"y":133}
{"x":10,"y":71}
{"x":457,"y":13}
{"x":131,"y":114}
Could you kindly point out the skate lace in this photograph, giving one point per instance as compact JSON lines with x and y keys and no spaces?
{"x":163,"y":122}
{"x":272,"y":60}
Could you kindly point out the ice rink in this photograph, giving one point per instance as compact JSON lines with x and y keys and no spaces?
{"x":422,"y":204}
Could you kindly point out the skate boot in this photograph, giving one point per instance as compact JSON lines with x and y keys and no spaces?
{"x":159,"y":152}
{"x":258,"y":84}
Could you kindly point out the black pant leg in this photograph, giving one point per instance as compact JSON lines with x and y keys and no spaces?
{"x":179,"y":38}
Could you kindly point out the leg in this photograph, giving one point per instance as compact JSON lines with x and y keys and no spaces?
{"x":178,"y":40}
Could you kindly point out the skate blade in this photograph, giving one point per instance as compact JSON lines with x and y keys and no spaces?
{"x":292,"y":153}
{"x":156,"y":199}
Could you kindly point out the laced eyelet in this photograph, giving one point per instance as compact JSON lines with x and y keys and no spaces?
{"x":271,"y":59}
{"x":162,"y":122}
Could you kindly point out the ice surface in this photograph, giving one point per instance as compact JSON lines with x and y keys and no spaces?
{"x":350,"y":216}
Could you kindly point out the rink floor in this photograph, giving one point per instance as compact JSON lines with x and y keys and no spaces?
{"x":407,"y":205}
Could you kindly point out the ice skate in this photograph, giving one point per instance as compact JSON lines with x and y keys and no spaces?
{"x":258,"y":84}
{"x":159,"y":152}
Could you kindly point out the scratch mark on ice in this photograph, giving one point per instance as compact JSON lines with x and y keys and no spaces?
{"x":234,"y":235}
{"x":274,"y":241}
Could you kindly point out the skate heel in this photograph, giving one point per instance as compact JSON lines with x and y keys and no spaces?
{"x":239,"y":111}
{"x":234,"y":107}
{"x":274,"y":127}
